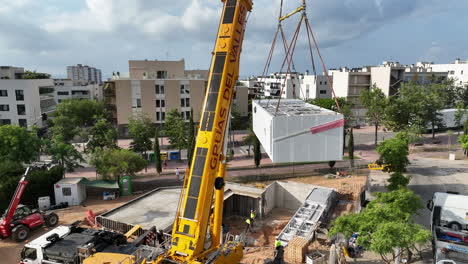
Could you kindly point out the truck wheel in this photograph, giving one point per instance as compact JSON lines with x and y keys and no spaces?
{"x":455,"y":226}
{"x":20,"y":233}
{"x":51,"y":220}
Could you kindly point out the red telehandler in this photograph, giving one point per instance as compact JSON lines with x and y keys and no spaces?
{"x":19,"y":220}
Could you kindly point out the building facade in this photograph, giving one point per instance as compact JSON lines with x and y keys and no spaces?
{"x":84,"y":73}
{"x":457,"y":70}
{"x":26,"y":102}
{"x":10,"y":72}
{"x":155,"y":88}
{"x":69,"y":89}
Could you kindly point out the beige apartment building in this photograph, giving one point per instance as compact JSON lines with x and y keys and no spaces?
{"x":155,"y":88}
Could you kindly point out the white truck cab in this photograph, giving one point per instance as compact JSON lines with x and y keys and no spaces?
{"x":449,"y":220}
{"x":449,"y":210}
{"x":32,"y":252}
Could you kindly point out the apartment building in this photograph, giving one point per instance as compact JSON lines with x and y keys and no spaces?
{"x":84,"y":73}
{"x":26,"y":102}
{"x":296,"y":85}
{"x":10,"y":72}
{"x":350,"y":83}
{"x":314,"y":86}
{"x":70,"y":89}
{"x":457,"y":70}
{"x":155,"y":88}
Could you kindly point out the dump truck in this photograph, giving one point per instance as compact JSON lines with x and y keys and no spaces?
{"x":449,"y":219}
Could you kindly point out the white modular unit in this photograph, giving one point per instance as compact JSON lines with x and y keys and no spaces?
{"x":448,"y":118}
{"x":298,"y":132}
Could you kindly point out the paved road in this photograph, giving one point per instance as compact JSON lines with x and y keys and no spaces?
{"x":429,"y":176}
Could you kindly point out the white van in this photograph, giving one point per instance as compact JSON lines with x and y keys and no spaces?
{"x":449,"y":210}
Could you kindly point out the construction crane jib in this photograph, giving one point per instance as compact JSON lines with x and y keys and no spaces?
{"x":193,"y":217}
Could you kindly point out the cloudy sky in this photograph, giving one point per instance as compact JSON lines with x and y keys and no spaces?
{"x":48,"y":35}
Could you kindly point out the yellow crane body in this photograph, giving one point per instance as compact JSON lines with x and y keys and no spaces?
{"x":193,"y":216}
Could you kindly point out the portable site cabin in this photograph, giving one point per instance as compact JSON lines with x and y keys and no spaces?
{"x":70,"y":190}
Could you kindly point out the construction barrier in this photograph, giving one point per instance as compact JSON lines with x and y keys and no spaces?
{"x":375,"y":166}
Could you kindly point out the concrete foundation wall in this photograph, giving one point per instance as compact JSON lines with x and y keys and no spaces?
{"x":268,"y":199}
{"x":291,"y":195}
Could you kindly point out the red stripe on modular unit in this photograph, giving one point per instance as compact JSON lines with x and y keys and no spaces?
{"x":327,"y":126}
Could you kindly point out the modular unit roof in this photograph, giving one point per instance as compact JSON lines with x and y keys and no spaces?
{"x":292,"y":107}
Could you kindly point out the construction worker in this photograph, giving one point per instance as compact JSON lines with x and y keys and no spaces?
{"x":279,"y":253}
{"x":252,"y":216}
{"x":248,"y":222}
{"x":277,"y":244}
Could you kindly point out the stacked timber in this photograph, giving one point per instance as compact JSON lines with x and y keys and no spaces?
{"x":296,"y":250}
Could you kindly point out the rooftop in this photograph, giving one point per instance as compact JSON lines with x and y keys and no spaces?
{"x":292,"y":107}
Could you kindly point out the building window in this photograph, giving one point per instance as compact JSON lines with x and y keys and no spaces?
{"x":320,"y":82}
{"x":3,"y":93}
{"x":4,"y":107}
{"x":22,"y":123}
{"x":184,"y":89}
{"x":138,"y":102}
{"x":185,"y":102}
{"x":62,"y":93}
{"x":160,"y":116}
{"x":5,"y":122}
{"x":161,"y":75}
{"x":323,"y":91}
{"x":160,"y":103}
{"x":187,"y":115}
{"x":159,"y":89}
{"x":461,"y":72}
{"x":21,"y":109}
{"x":452,"y":72}
{"x":19,"y":95}
{"x":325,"y":82}
{"x":66,"y":191}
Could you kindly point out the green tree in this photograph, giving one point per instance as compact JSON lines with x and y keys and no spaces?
{"x":394,"y":155}
{"x":140,"y":130}
{"x":71,"y":116}
{"x":257,"y":152}
{"x":351,"y":147}
{"x":375,"y":102}
{"x":18,"y":144}
{"x":191,"y":139}
{"x":115,"y":163}
{"x":459,"y":114}
{"x":176,"y":130}
{"x":386,"y":224}
{"x":157,"y":153}
{"x":102,"y":135}
{"x":35,"y":75}
{"x":328,"y":103}
{"x":64,"y":154}
{"x":463,"y":140}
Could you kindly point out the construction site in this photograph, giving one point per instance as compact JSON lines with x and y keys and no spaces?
{"x":208,"y":207}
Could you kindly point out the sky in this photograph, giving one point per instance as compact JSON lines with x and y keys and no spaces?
{"x":48,"y":35}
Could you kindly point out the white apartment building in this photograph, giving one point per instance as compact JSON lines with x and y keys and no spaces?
{"x":84,"y":73}
{"x":457,"y":70}
{"x":296,"y":85}
{"x":70,"y":89}
{"x":314,"y":86}
{"x":23,"y":102}
{"x":9,"y":72}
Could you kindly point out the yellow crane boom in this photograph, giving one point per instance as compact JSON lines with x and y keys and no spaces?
{"x":193,"y":216}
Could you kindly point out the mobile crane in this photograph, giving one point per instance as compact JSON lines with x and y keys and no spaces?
{"x":195,"y":218}
{"x":19,"y":220}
